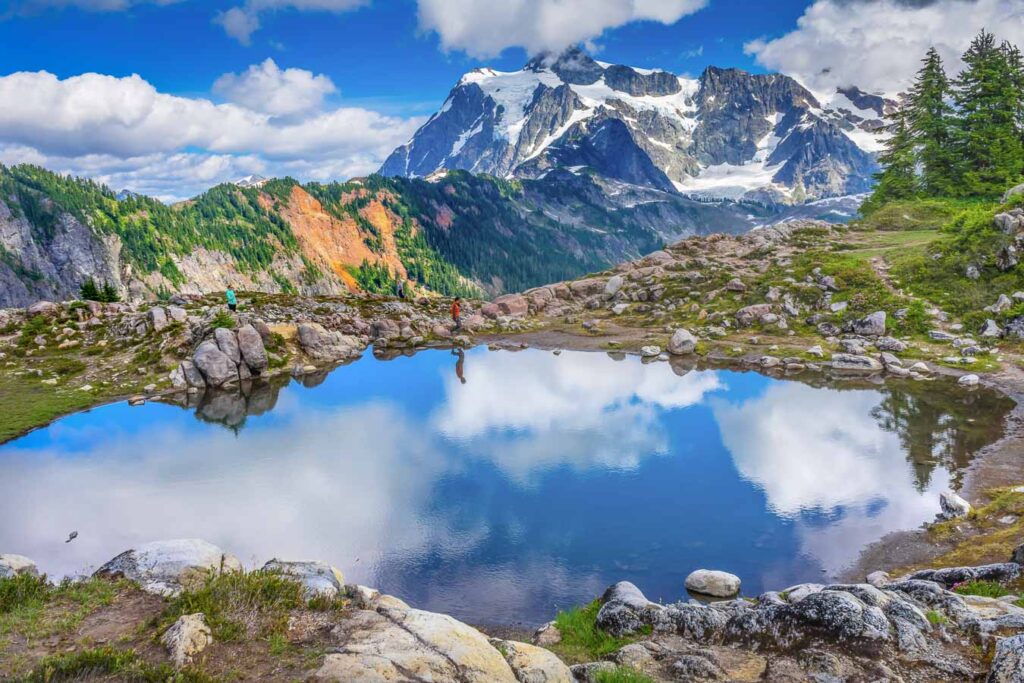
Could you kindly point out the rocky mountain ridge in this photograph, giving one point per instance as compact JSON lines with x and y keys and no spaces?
{"x":727,"y":135}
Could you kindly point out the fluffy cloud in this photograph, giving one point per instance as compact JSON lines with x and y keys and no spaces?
{"x":484,"y":28}
{"x":242,"y":21}
{"x":269,"y":89}
{"x":125,"y":131}
{"x":876,"y":45}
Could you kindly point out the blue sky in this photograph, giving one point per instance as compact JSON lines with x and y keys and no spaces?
{"x":376,"y":55}
{"x":169,"y":97}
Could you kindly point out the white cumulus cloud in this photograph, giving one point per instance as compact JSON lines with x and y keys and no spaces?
{"x":126,"y":131}
{"x":483,"y":28}
{"x":877,"y":44}
{"x":279,"y":92}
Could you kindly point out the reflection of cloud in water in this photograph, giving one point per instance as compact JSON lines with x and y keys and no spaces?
{"x":819,"y":450}
{"x":531,"y":411}
{"x":337,"y":486}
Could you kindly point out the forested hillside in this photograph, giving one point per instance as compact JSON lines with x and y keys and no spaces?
{"x":466,"y":235}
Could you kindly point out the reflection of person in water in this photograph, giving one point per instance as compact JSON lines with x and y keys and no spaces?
{"x":460,"y":364}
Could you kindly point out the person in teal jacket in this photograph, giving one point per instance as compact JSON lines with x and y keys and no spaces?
{"x":232,"y":300}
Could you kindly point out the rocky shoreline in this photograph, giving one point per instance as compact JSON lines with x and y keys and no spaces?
{"x":912,"y":628}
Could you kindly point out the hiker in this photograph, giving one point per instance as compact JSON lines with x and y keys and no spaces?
{"x":400,"y":289}
{"x":460,"y":364}
{"x":457,"y":313}
{"x":232,"y":300}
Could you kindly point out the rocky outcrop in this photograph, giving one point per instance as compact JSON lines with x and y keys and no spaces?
{"x":166,"y":567}
{"x":318,"y":579}
{"x":325,"y":345}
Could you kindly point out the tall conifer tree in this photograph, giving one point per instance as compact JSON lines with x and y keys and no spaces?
{"x":930,"y":120}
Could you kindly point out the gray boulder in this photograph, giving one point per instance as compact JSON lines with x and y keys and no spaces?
{"x":168,"y":567}
{"x":953,"y":506}
{"x":186,"y":638}
{"x":1001,"y":572}
{"x":227,"y":342}
{"x":846,"y":362}
{"x":44,"y":308}
{"x":217,"y":369}
{"x":682,"y":343}
{"x":714,"y":583}
{"x":250,"y":345}
{"x":870,"y":326}
{"x":1012,"y":192}
{"x":325,"y":345}
{"x":191,"y":374}
{"x":158,"y":318}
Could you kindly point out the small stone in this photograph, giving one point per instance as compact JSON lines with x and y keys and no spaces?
{"x":650,"y":351}
{"x":878,"y":579}
{"x":682,"y":343}
{"x":816,"y":351}
{"x":969,"y":381}
{"x":953,"y":506}
{"x":186,"y":638}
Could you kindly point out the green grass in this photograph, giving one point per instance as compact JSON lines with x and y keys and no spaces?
{"x":240,"y":605}
{"x":935,"y":618}
{"x":986,"y":589}
{"x":223,"y":319}
{"x":25,"y":404}
{"x":622,"y":675}
{"x":21,"y":591}
{"x":125,"y":665}
{"x":582,"y":641}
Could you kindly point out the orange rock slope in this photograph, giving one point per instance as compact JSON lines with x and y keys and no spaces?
{"x":336,"y":245}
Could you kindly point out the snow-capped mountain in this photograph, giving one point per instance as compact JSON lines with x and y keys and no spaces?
{"x":727,"y":135}
{"x":251,"y":181}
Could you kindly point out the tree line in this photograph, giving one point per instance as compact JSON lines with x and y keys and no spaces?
{"x":959,"y":137}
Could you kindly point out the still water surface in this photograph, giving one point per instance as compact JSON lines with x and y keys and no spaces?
{"x":499,"y":486}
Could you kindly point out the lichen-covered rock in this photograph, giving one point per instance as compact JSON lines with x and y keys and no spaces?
{"x":157,"y":317}
{"x":15,"y":565}
{"x":43,"y":308}
{"x":1008,"y":663}
{"x":870,"y":326}
{"x":187,"y":637}
{"x":532,"y":664}
{"x":166,"y":567}
{"x":318,"y":579}
{"x":1002,"y":572}
{"x":547,"y":634}
{"x":715,"y":583}
{"x":625,"y":610}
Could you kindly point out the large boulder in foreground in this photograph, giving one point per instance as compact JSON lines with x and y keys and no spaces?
{"x":1008,"y":664}
{"x":532,"y":664}
{"x":411,"y":645}
{"x":250,"y":345}
{"x":682,"y":343}
{"x":167,"y":567}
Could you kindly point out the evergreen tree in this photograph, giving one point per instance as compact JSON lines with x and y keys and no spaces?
{"x":89,"y":291}
{"x":898,"y":179}
{"x":109,"y":294}
{"x":930,"y":120}
{"x":989,"y":145}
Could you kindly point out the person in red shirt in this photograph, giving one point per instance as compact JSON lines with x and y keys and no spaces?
{"x":457,"y":313}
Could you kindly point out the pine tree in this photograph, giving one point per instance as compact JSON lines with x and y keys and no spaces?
{"x":109,"y":294}
{"x":898,"y":179}
{"x":930,"y":120}
{"x":989,"y":146}
{"x":1015,"y":61}
{"x":89,"y":291}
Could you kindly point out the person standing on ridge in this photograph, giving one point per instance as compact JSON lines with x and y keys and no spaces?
{"x":232,"y":300}
{"x":457,"y":313}
{"x":400,"y":289}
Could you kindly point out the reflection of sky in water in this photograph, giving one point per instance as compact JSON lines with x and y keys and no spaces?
{"x":530,"y":487}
